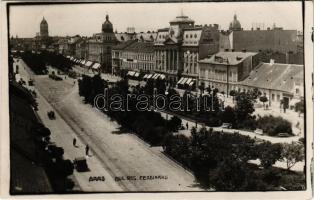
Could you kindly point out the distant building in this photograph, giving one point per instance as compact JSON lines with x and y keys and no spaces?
{"x":235,"y":24}
{"x":149,"y":36}
{"x":99,"y":46}
{"x":225,"y":70}
{"x":274,"y":39}
{"x":44,"y":28}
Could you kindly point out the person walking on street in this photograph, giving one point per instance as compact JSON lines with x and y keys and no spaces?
{"x":74,"y":142}
{"x":187,"y":125}
{"x":86,"y":149}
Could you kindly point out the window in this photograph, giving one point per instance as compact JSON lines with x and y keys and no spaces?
{"x":297,"y":91}
{"x":273,"y":97}
{"x":195,"y":35}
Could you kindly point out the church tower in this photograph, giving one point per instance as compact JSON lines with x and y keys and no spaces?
{"x":44,"y":28}
{"x":108,"y":41}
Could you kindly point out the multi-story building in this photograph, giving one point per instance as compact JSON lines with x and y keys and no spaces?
{"x":138,"y":56}
{"x":274,"y":39}
{"x":99,"y":47}
{"x":198,"y":43}
{"x":179,"y":47}
{"x":81,"y":49}
{"x":117,"y":57}
{"x":225,"y":70}
{"x":94,"y":48}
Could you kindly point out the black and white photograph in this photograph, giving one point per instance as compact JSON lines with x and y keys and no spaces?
{"x":163,"y":97}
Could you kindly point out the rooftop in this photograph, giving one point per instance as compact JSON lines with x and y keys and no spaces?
{"x":141,"y":47}
{"x":275,"y":76}
{"x":227,"y":57}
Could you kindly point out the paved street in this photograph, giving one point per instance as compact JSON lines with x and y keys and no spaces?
{"x":114,"y":155}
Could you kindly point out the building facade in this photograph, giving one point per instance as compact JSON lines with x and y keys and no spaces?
{"x":225,"y":70}
{"x":282,"y":84}
{"x":138,"y":56}
{"x":179,"y":47}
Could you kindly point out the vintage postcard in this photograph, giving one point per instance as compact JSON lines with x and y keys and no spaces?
{"x":186,"y":99}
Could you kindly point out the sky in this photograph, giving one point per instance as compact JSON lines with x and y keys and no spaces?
{"x":86,"y":19}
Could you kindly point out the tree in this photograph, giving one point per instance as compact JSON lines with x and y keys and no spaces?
{"x":299,"y":107}
{"x":244,"y":106}
{"x":263,"y":99}
{"x":232,"y":175}
{"x":228,"y":115}
{"x":292,"y":153}
{"x":174,"y":124}
{"x":233,"y":93}
{"x":269,"y":153}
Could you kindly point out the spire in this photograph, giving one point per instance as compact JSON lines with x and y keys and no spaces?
{"x":182,"y":12}
{"x":107,"y":17}
{"x":235,"y":16}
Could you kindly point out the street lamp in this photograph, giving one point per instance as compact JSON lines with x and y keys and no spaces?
{"x":166,"y":93}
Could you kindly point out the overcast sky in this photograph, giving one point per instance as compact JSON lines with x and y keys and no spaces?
{"x":86,"y":19}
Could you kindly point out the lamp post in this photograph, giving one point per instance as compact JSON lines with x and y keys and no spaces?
{"x":166,"y":93}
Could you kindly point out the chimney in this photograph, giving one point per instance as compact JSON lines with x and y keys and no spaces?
{"x":243,"y":50}
{"x":232,"y":50}
{"x":226,"y":49}
{"x":268,"y":28}
{"x":272,"y":61}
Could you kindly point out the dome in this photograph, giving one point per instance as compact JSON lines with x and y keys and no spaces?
{"x":235,"y":24}
{"x":107,"y":26}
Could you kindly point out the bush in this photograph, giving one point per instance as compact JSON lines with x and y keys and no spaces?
{"x":273,"y":125}
{"x":174,"y":124}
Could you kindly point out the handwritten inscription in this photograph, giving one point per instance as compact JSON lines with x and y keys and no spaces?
{"x":134,"y":178}
{"x":96,"y":178}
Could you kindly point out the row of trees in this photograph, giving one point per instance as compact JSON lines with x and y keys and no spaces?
{"x":221,"y":160}
{"x":38,"y":61}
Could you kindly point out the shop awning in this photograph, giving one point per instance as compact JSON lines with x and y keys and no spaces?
{"x":88,"y":63}
{"x":137,"y":74}
{"x":184,"y":80}
{"x":149,"y":76}
{"x":181,"y":79}
{"x":188,"y":81}
{"x":191,"y":83}
{"x":145,"y":76}
{"x":82,"y":62}
{"x":96,"y":66}
{"x":162,"y":76}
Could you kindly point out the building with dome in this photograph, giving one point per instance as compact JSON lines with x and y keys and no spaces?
{"x":99,"y":46}
{"x":235,"y":25}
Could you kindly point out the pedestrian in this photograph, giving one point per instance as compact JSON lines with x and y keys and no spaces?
{"x":86,"y":149}
{"x":74,"y":142}
{"x":187,"y":125}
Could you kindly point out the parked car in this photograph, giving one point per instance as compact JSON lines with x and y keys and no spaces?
{"x":51,"y":115}
{"x":283,"y":135}
{"x":259,"y":131}
{"x":80,"y":164}
{"x":226,"y":125}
